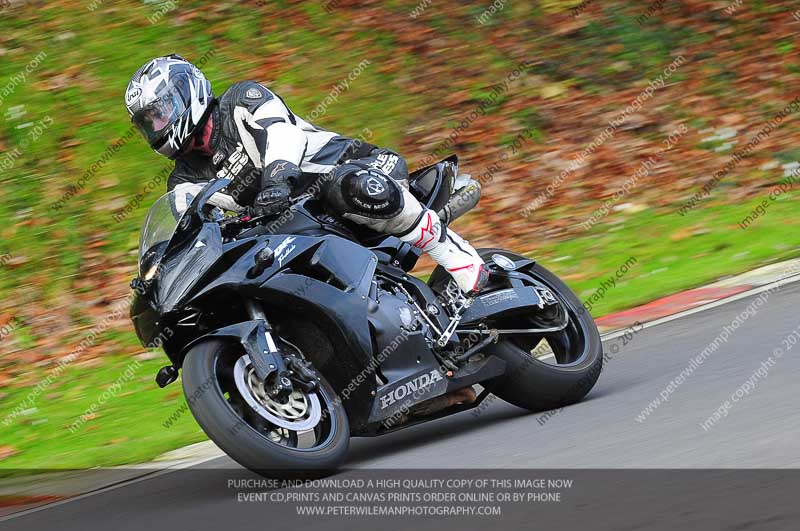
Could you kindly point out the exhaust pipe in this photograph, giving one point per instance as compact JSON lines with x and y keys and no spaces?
{"x":466,"y":195}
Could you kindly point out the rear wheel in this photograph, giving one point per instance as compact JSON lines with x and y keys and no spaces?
{"x":546,"y":370}
{"x":303,"y":435}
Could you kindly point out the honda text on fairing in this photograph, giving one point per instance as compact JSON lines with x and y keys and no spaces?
{"x":295,"y":332}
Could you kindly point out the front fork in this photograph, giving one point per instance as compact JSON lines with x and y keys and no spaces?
{"x":265,"y":356}
{"x":271,"y":367}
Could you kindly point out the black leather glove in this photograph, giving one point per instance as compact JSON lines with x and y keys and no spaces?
{"x":276,"y":187}
{"x":271,"y":201}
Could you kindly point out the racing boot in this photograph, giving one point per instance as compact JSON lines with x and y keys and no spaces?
{"x":450,"y":251}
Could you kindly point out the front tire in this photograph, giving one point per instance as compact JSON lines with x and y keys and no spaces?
{"x":244,"y":434}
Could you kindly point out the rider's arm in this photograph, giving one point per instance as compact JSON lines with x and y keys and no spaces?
{"x":186,"y":192}
{"x":267,"y":128}
{"x":187,"y":183}
{"x":272,"y":140}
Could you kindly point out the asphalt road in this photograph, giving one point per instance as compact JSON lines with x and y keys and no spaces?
{"x":761,"y":430}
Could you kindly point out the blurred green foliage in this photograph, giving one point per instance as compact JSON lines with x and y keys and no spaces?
{"x":424,"y":73}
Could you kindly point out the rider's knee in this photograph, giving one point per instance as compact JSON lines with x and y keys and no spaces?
{"x":361,"y":189}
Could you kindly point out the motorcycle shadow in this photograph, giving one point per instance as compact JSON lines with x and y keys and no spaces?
{"x":365,"y":449}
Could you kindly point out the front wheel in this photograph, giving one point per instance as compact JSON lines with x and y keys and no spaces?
{"x":305,"y":435}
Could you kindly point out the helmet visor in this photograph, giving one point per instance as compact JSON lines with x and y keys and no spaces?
{"x":155,"y":118}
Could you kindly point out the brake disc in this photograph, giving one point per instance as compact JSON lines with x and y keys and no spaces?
{"x":301,"y":411}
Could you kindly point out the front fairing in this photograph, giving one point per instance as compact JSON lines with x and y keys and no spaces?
{"x":176,"y":248}
{"x":180,"y":271}
{"x":185,"y":267}
{"x":173,"y":219}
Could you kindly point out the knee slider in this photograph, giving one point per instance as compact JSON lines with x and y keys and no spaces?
{"x":365,"y":191}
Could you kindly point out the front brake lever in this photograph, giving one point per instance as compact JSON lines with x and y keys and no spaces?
{"x":234,"y":225}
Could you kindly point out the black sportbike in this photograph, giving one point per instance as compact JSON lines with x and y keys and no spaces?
{"x":298,"y":331}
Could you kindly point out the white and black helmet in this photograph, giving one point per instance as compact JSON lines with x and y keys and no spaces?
{"x":167,"y":99}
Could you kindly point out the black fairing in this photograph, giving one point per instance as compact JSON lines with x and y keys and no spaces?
{"x":325,"y":279}
{"x":145,"y":318}
{"x":319,"y":287}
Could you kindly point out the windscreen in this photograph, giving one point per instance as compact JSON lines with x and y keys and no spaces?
{"x":159,"y":226}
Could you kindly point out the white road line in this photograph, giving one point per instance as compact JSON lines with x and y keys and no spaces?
{"x":685,"y":313}
{"x":123,"y":483}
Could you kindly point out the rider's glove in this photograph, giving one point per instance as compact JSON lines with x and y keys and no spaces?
{"x":279,"y":178}
{"x":273,"y":200}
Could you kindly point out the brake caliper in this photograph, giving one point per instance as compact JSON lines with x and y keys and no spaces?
{"x":302,"y":372}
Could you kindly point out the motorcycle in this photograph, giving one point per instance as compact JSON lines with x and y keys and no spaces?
{"x":296,"y":332}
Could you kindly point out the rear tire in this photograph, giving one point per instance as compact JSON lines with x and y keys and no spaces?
{"x":533,"y":384}
{"x":241,"y":441}
{"x":539,"y":386}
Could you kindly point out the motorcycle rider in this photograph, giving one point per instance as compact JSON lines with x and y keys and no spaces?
{"x":250,"y":136}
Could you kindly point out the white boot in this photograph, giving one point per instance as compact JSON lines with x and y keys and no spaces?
{"x":454,"y":253}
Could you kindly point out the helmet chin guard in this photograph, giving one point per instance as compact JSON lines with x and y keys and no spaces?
{"x":167,"y":100}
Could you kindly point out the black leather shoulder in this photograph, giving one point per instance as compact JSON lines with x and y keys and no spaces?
{"x":247,"y":94}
